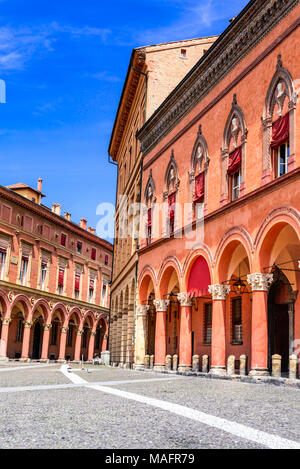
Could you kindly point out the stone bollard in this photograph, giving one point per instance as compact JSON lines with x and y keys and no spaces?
{"x":243,"y":365}
{"x":276,"y":366}
{"x":205,"y":364}
{"x":175,"y":362}
{"x":168,"y":363}
{"x":293,"y":367}
{"x":196,"y":363}
{"x":231,"y":365}
{"x":147,"y":362}
{"x":151,"y":362}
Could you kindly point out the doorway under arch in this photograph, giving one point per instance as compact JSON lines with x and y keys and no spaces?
{"x":37,"y":341}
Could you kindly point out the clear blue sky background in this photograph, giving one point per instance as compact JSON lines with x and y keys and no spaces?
{"x":64,"y":63}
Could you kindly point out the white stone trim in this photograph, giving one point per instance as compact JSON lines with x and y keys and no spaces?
{"x":219,"y":292}
{"x":161,"y":305}
{"x":260,"y":282}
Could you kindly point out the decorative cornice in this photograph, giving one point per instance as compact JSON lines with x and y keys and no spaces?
{"x":260,"y":282}
{"x":161,"y":305}
{"x":219,"y":292}
{"x":245,"y":33}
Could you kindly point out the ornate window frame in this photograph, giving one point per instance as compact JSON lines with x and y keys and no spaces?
{"x":232,"y":131}
{"x":282,"y":75}
{"x":171,"y":186}
{"x":202,"y":160}
{"x":150,"y":201}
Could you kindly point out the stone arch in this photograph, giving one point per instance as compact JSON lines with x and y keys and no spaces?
{"x":147,"y":277}
{"x":205,"y":253}
{"x":44,"y":305}
{"x":4,"y":304}
{"x":170,"y":272}
{"x":236,"y":233}
{"x":23,"y":300}
{"x":170,"y":262}
{"x":60,"y":307}
{"x":229,"y":253}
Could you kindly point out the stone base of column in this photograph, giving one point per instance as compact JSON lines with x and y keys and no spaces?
{"x":184,"y":368}
{"x":127,"y":366}
{"x":61,"y":360}
{"x":44,"y":360}
{"x":159,"y":367}
{"x":25,"y":360}
{"x":218,"y":371}
{"x":4,"y":359}
{"x":256,"y":372}
{"x":139,"y":366}
{"x":105,"y":357}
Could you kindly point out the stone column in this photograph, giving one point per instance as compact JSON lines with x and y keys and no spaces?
{"x":77,"y":356}
{"x":62,"y":345}
{"x":185,"y":341}
{"x":161,"y":307}
{"x":293,"y":367}
{"x":46,"y":340}
{"x":26,"y":340}
{"x":104,"y":343}
{"x":4,"y":338}
{"x":124,"y":337}
{"x":119,"y":337}
{"x":129,"y":335}
{"x":218,"y":344}
{"x":91,"y":346}
{"x":260,"y":284}
{"x":141,"y":335}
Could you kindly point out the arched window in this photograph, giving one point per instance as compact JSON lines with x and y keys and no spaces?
{"x":170,"y":194}
{"x":150,"y":200}
{"x":234,"y":155}
{"x":278,"y":125}
{"x":198,"y":173}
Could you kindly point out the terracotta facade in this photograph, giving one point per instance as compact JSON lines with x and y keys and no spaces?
{"x":54,"y":281}
{"x":223,"y":150}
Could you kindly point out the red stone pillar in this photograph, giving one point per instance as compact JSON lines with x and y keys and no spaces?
{"x":185,"y":341}
{"x":260,"y":284}
{"x":46,"y":339}
{"x":62,"y":344}
{"x":26,"y":340}
{"x":78,"y":345}
{"x":218,"y":342}
{"x":91,"y":346}
{"x":4,"y":337}
{"x":161,"y":307}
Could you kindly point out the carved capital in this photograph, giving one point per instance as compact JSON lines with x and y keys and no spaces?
{"x":260,"y":282}
{"x":47,"y":327}
{"x":219,"y":292}
{"x":185,"y":299}
{"x":64,"y":330}
{"x":142,"y":310}
{"x":80,"y":332}
{"x":6,"y":321}
{"x":28,"y":324}
{"x":161,"y":305}
{"x":93,"y":334}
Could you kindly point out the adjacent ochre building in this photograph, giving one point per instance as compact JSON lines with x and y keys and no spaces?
{"x":54,"y":281}
{"x":153,"y":72}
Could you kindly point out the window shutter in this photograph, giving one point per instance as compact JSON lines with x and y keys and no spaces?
{"x":150,"y":217}
{"x":63,"y":240}
{"x":106,"y":260}
{"x":94,"y":252}
{"x":77,"y":282}
{"x":61,"y":275}
{"x":199,"y":187}
{"x":171,"y":203}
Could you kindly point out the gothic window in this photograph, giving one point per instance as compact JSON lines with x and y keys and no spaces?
{"x":171,"y":193}
{"x":149,"y":208}
{"x":198,"y":174}
{"x":234,"y":155}
{"x":278,"y":125}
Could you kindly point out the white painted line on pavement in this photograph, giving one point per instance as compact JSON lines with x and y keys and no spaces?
{"x":22,"y":368}
{"x":237,"y":429}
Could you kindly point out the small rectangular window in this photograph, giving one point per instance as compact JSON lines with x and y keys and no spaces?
{"x":94,"y":254}
{"x":237,"y":332}
{"x":106,"y":260}
{"x":61,"y":275}
{"x":24,"y":270}
{"x":183,"y":53}
{"x":43,"y":275}
{"x":104,"y":295}
{"x":236,"y":185}
{"x":79,"y":247}
{"x":63,"y":240}
{"x":283,"y":154}
{"x":2,"y":263}
{"x":207,"y":323}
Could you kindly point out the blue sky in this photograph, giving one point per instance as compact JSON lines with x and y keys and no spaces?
{"x":64,"y":63}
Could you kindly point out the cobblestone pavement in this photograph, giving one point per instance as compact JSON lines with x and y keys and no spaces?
{"x":81,"y":417}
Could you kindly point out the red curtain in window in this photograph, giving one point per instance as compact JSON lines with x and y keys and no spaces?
{"x":171,"y":202}
{"x":199,"y":186}
{"x":150,"y":217}
{"x":93,"y":254}
{"x":77,"y":282}
{"x":281,"y":131}
{"x":63,"y":240}
{"x":25,"y":258}
{"x":3,"y":251}
{"x":235,"y":161}
{"x":106,"y":260}
{"x":92,"y":281}
{"x":61,"y":275}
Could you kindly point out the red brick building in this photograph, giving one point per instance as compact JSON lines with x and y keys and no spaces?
{"x":54,"y":281}
{"x":226,"y":143}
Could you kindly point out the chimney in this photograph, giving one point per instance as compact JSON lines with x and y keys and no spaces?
{"x":68,"y":216}
{"x":93,"y":231}
{"x":232,"y":19}
{"x":39,"y":185}
{"x":56,"y":208}
{"x":83,"y":223}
